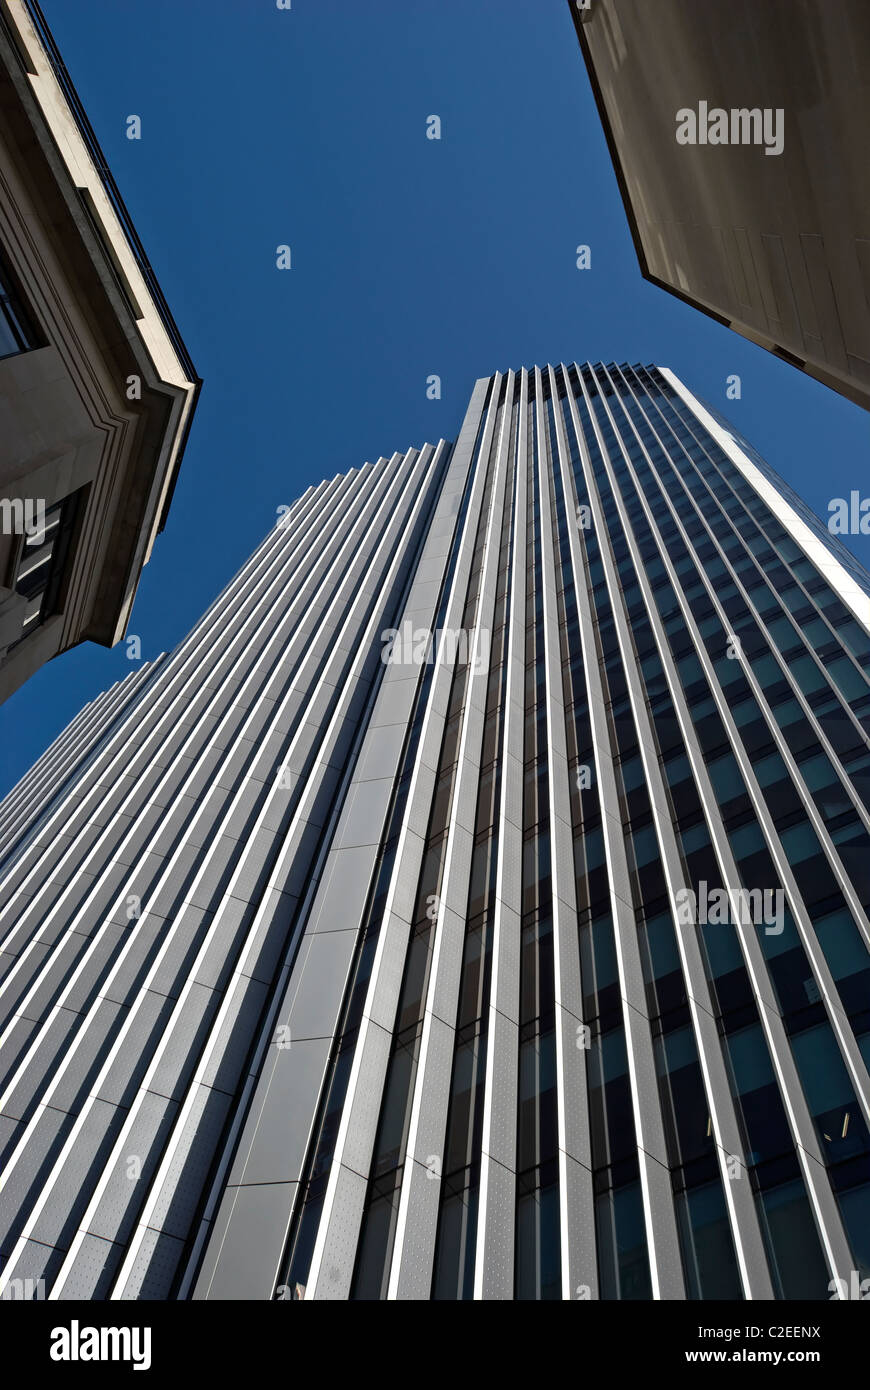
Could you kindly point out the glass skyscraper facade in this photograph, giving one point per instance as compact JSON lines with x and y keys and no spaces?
{"x":475,"y":904}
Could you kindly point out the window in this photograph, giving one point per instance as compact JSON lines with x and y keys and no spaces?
{"x":17,"y":331}
{"x":40,"y":565}
{"x":622,"y":1249}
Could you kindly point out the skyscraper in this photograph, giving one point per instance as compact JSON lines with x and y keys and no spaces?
{"x":475,"y":904}
{"x":736,"y":132}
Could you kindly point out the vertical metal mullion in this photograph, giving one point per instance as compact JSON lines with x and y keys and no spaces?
{"x":834,"y":1009}
{"x":800,"y":1122}
{"x":344,"y":1204}
{"x":576,"y":1197}
{"x":494,"y":1257}
{"x":68,"y":1146}
{"x":171,"y":681}
{"x":830,"y":752}
{"x":389,"y":557}
{"x":411,"y":1268}
{"x":663,"y":1244}
{"x":743,"y":1218}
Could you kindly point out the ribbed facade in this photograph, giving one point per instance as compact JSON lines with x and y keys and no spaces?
{"x":475,"y":904}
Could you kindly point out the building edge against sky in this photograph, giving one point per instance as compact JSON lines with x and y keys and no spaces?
{"x":772,"y":243}
{"x":96,"y":386}
{"x":537,"y":969}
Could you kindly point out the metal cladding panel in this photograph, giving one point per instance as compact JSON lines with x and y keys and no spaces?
{"x":77,"y":1079}
{"x":35,"y":1265}
{"x":93,"y":1272}
{"x":53,"y":1223}
{"x":43,"y":1139}
{"x":254,"y":1220}
{"x":346,"y":951}
{"x":408,"y":823}
{"x":153,"y":1269}
{"x":179,"y":1195}
{"x":496,"y":1277}
{"x":342,"y":1234}
{"x":115,"y":1214}
{"x":363,"y":1107}
{"x":318,"y":984}
{"x":119,"y":1081}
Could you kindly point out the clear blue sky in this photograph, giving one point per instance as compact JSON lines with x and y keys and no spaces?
{"x":410,"y":257}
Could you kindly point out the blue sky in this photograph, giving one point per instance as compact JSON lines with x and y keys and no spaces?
{"x":411,"y":256}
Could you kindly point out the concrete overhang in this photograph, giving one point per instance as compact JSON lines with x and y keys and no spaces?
{"x":107,"y":270}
